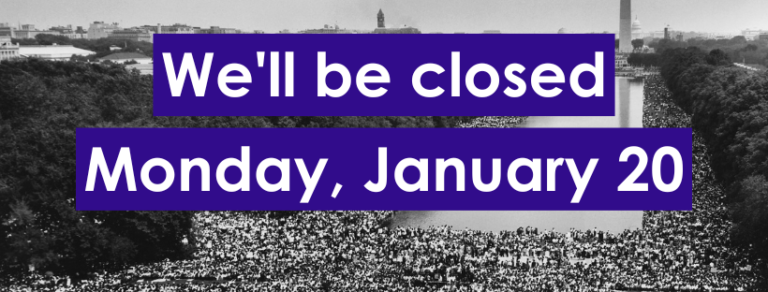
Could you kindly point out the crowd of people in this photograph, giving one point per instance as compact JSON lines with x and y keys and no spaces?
{"x":356,"y":251}
{"x":494,"y":122}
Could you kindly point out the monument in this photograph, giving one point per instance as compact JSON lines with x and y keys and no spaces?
{"x":625,"y":27}
{"x":380,"y":19}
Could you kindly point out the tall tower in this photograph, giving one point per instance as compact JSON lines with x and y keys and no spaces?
{"x":380,"y":18}
{"x":625,"y":27}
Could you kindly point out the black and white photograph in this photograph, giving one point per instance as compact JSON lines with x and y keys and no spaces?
{"x":695,"y":64}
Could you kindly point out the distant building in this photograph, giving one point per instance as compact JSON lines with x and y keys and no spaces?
{"x":670,"y":34}
{"x":753,"y":34}
{"x":67,"y":31}
{"x":687,"y":35}
{"x":7,"y":49}
{"x":123,"y":57}
{"x":621,"y":61}
{"x":99,"y":29}
{"x":114,"y":48}
{"x":176,"y":28}
{"x":329,"y":29}
{"x":492,"y":31}
{"x":380,"y":19}
{"x":75,"y":35}
{"x":62,"y":29}
{"x":216,"y":30}
{"x":55,"y":52}
{"x":136,"y":35}
{"x":26,"y":31}
{"x":637,"y":29}
{"x":258,"y":31}
{"x":8,"y":31}
{"x":30,"y":34}
{"x":382,"y":29}
{"x":562,"y":31}
{"x":399,"y":30}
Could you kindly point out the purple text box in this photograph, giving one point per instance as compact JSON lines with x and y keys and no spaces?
{"x":401,"y":55}
{"x":353,"y":159}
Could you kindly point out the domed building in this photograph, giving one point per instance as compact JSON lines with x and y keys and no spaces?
{"x":562,"y":31}
{"x":637,"y":29}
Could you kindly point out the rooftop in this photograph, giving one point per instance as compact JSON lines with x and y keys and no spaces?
{"x":53,"y":51}
{"x":124,"y":56}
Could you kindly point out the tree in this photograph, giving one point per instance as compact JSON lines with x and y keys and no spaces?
{"x":718,"y":58}
{"x":750,"y":215}
{"x":646,"y":60}
{"x":48,"y":39}
{"x":738,"y":40}
{"x":637,"y":44}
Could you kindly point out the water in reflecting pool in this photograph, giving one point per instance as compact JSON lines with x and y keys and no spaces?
{"x":629,"y":114}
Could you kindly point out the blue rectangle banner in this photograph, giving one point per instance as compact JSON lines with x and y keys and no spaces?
{"x":384,"y":169}
{"x":384,"y":75}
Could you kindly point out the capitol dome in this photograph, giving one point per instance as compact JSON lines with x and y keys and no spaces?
{"x":636,"y":26}
{"x":562,"y":31}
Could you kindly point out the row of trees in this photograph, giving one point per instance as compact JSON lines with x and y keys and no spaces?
{"x":715,"y":58}
{"x":737,"y":49}
{"x":41,"y":105}
{"x":652,"y":60}
{"x":729,"y":108}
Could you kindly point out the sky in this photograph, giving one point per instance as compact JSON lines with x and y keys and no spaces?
{"x":447,"y":16}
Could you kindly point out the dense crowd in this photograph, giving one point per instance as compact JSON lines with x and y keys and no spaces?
{"x":494,"y":122}
{"x":355,"y":251}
